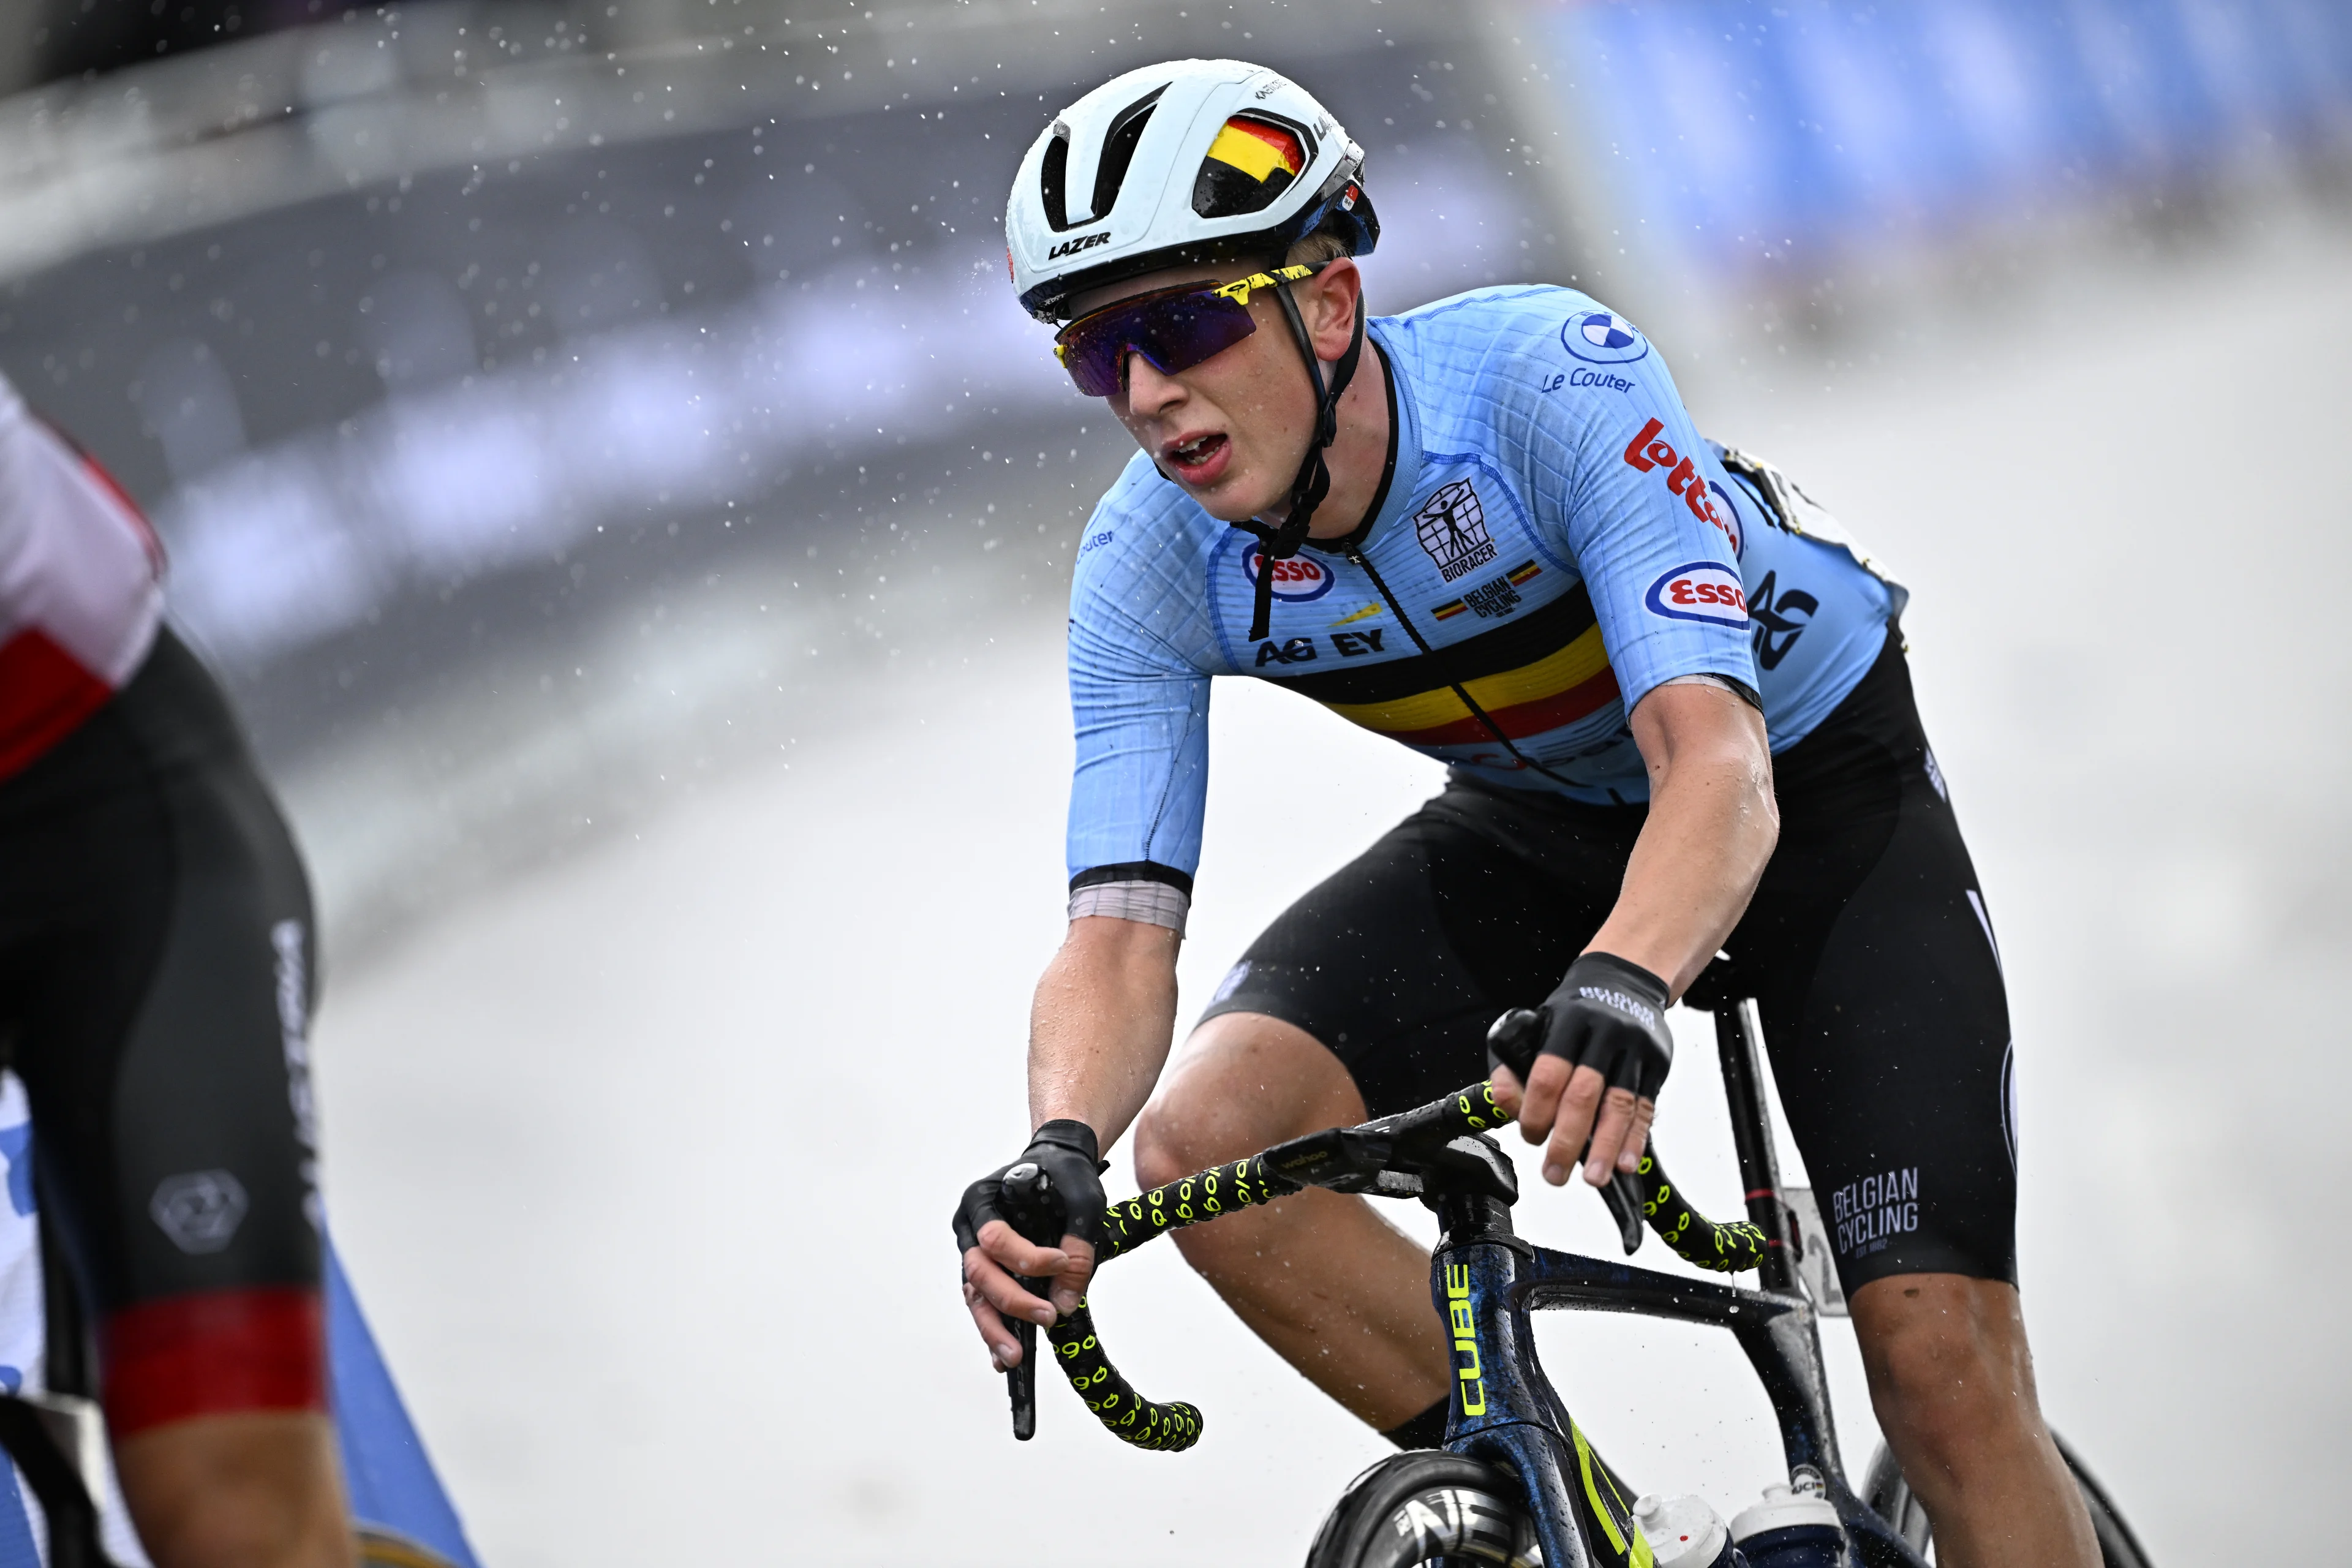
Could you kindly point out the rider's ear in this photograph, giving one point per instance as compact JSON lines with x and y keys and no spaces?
{"x":1335,"y":290}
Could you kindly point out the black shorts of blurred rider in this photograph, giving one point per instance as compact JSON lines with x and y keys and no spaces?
{"x":156,"y":978}
{"x":1868,"y":943}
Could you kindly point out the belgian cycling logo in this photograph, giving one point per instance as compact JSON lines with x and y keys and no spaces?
{"x":1871,"y":1213}
{"x":1452,"y":529}
{"x":1701,"y":591}
{"x":1600,"y":338}
{"x":199,"y":1210}
{"x":1296,"y":580}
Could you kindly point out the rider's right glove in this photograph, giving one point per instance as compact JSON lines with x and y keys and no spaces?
{"x":1611,"y":1015}
{"x":1067,"y":1155}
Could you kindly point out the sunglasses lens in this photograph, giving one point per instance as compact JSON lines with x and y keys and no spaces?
{"x":1175,"y":331}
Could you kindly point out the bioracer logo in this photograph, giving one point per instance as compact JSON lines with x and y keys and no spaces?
{"x":1468,"y":1374}
{"x":1072,"y":246}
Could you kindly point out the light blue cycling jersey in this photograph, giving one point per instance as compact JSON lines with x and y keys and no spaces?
{"x":1553,"y":529}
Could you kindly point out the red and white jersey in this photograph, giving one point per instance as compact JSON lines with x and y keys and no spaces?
{"x":82,"y":588}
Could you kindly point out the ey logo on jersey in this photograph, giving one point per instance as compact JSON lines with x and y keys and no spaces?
{"x":1701,"y":591}
{"x":1603,"y":339}
{"x":1296,"y":580}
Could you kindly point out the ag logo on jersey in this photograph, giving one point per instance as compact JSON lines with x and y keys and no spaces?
{"x":1603,"y":339}
{"x":1452,"y":529}
{"x":1295,"y":581}
{"x":1702,"y":591}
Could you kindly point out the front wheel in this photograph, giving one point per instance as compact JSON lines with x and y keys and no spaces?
{"x":1426,"y":1506}
{"x":1889,"y":1496}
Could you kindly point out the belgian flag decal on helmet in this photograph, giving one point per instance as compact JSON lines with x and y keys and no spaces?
{"x":1252,"y":161}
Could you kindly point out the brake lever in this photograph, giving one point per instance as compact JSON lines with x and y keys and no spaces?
{"x":1624,"y":1196}
{"x":1028,"y":1194}
{"x":1512,"y":1042}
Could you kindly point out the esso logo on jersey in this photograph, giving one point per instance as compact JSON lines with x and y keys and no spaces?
{"x":1597,"y":337}
{"x":1702,"y":591}
{"x":1295,"y":581}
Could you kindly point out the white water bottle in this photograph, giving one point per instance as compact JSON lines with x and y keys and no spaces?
{"x":1684,"y":1532}
{"x":1789,"y":1530}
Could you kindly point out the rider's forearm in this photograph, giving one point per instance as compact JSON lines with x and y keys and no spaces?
{"x":1711,"y":827}
{"x":1100,"y":1027}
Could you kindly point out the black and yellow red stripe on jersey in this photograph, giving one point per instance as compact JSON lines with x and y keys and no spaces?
{"x":1538,"y":670}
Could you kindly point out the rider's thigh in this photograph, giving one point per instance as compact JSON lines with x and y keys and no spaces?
{"x":1243,"y":1080}
{"x":155,"y":942}
{"x":259,"y":1488}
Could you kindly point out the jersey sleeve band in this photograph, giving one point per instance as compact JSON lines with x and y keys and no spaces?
{"x":1151,"y":903}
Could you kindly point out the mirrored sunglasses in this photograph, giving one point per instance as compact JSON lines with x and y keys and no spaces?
{"x":1175,"y":329}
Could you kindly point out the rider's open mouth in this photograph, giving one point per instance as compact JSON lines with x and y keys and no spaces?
{"x":1197,"y":453}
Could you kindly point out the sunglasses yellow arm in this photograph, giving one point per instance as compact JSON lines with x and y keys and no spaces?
{"x":1238,"y":291}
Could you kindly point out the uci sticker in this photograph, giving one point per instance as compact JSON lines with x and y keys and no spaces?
{"x":1295,"y":581}
{"x":1600,"y":338}
{"x":1702,"y":591}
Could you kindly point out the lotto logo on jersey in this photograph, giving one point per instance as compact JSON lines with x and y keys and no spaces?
{"x":1600,"y":338}
{"x":1295,"y":581}
{"x":1702,"y":591}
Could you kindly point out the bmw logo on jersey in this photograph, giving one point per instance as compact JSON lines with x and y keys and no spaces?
{"x":1600,"y":338}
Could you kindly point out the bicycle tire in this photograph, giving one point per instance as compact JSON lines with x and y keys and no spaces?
{"x":1425,"y":1505}
{"x":1890,"y":1497}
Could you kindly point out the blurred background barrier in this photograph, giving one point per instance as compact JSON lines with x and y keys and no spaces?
{"x":596,"y":442}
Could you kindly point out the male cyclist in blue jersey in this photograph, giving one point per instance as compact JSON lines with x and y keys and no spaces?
{"x":1675,"y":710}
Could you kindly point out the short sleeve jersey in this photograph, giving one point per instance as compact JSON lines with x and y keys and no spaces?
{"x":80,"y":586}
{"x":1553,"y":529}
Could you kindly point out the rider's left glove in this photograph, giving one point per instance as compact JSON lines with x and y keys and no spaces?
{"x":1068,"y":1154}
{"x":1611,"y":1015}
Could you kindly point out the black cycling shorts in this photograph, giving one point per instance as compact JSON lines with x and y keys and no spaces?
{"x":1867,"y":943}
{"x":156,"y":976}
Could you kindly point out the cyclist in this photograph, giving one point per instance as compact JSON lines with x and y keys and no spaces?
{"x":1675,"y":710}
{"x":156,"y":976}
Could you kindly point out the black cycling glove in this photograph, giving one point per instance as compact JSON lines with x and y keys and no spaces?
{"x":1071,"y":1199}
{"x":1611,"y":1015}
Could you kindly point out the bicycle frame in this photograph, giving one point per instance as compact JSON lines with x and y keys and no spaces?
{"x":1486,"y":1282}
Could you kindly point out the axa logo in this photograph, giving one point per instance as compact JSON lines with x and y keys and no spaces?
{"x":1469,"y":1376}
{"x":1701,"y":591}
{"x":1646,"y":452}
{"x":1295,"y":581}
{"x":1083,"y":242}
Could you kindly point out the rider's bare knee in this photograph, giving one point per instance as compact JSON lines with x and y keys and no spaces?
{"x":1948,"y":1372}
{"x":1244,"y":1082}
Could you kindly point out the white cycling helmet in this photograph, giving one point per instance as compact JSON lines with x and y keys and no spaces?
{"x":1185,"y":161}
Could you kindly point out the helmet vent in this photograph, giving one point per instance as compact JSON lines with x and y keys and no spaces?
{"x":1052,"y":175}
{"x":1119,"y":149}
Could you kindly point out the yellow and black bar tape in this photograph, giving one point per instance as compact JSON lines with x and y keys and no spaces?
{"x":1694,"y":1238}
{"x":1168,"y":1429}
{"x":1204,"y":1196}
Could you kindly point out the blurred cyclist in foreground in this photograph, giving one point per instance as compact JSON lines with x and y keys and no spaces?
{"x":156,"y":977}
{"x":1673,"y":705}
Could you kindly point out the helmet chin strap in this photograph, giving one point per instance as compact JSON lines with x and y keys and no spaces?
{"x":1314,"y":481}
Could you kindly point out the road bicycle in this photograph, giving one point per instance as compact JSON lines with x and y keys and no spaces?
{"x":1517,"y":1481}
